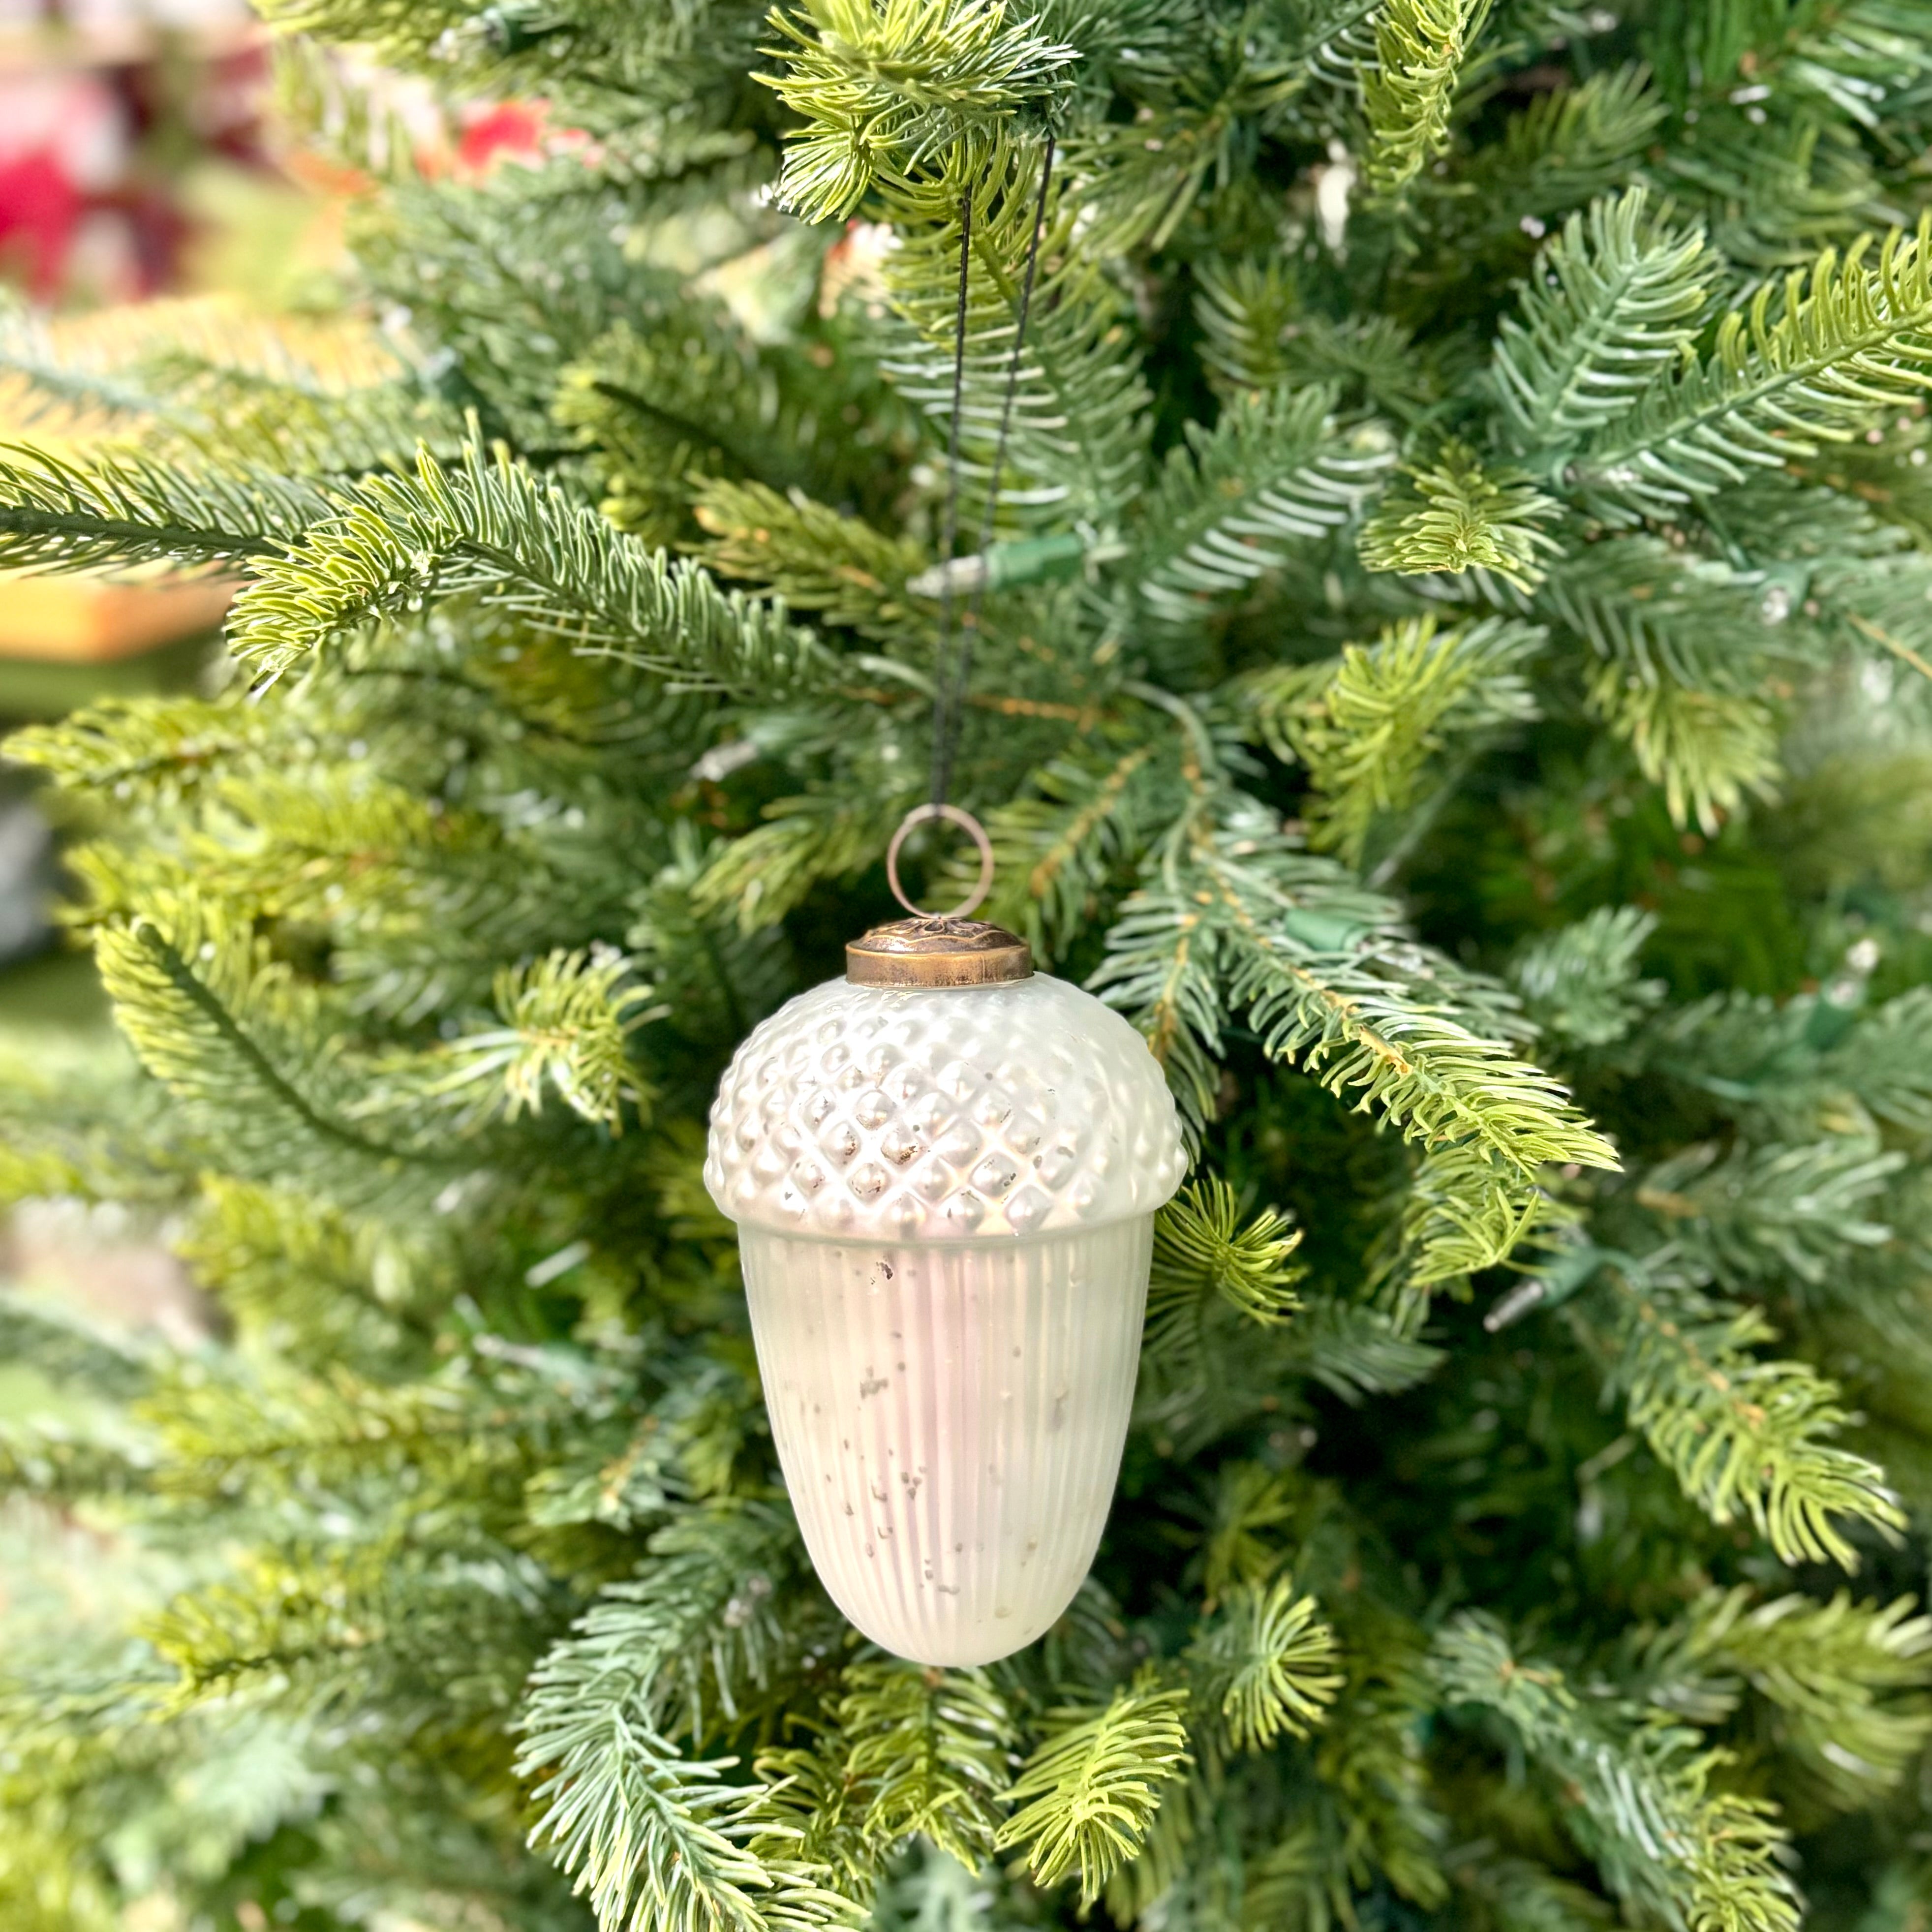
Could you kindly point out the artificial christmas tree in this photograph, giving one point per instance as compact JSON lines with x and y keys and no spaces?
{"x":1449,"y":649}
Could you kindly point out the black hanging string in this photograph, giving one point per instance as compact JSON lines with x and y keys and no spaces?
{"x":949,"y":679}
{"x":943,"y":726}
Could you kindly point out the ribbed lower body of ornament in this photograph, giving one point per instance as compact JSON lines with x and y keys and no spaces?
{"x":950,"y":1417}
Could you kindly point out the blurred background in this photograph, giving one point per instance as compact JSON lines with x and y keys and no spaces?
{"x":134,"y":168}
{"x":147,"y":184}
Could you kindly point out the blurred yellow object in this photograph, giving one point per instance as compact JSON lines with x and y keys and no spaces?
{"x":332,"y":352}
{"x":82,"y":620}
{"x":259,"y":238}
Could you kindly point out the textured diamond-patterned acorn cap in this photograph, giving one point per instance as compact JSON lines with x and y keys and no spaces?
{"x":961,"y":1113}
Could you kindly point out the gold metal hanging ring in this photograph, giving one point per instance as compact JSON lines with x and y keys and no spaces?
{"x":953,"y":814}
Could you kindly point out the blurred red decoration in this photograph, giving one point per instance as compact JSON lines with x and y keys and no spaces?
{"x":99,"y":124}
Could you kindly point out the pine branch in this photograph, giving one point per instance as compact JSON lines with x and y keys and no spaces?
{"x":1847,"y":1682}
{"x":1263,"y":1665}
{"x":887,"y":87}
{"x":568,"y":1018}
{"x":932,"y":1753}
{"x":1815,"y":1064}
{"x":1369,"y":731}
{"x":598,"y":66}
{"x":1274,"y":471}
{"x":1884,"y":1062}
{"x":118,"y":508}
{"x":238,"y":1040}
{"x":1771,"y":190}
{"x":1077,"y":452}
{"x":1743,"y":1436}
{"x":50,"y":381}
{"x":157,"y":750}
{"x":1708,"y":749}
{"x":1203,"y":1256}
{"x":678,"y":1651}
{"x":1526,"y":1897}
{"x":1849,"y":337}
{"x":1086,"y":1796}
{"x":1763,"y":1217}
{"x":59,"y":1343}
{"x":663,"y":1843}
{"x":1408,"y":94}
{"x":79,"y":1118}
{"x":531,"y":270}
{"x":1387,"y":1817}
{"x":1615,"y":301}
{"x":493,"y":531}
{"x":1229,"y":937}
{"x":327,"y":1291}
{"x":52,"y":1465}
{"x":1581,"y":981}
{"x":1466,"y":1211}
{"x":813,"y":557}
{"x":1251,"y":1508}
{"x":1658,"y":616}
{"x":1246,"y":313}
{"x":639,"y":1472}
{"x":1453,"y":516}
{"x":1564,"y":148}
{"x":717,"y":980}
{"x":1074,"y":836}
{"x":1639,"y":1794}
{"x":694,"y":399}
{"x":316,"y":1632}
{"x":763,"y":875}
{"x":386,"y":871}
{"x":1869,"y":63}
{"x":1259,"y":334}
{"x":1353,"y":1350}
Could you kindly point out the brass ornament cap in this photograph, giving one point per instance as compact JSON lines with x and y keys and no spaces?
{"x":935,"y":950}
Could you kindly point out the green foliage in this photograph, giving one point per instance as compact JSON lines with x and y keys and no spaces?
{"x":673,"y":1845}
{"x":1258,"y":334}
{"x":1454,"y":518}
{"x":1274,"y":472}
{"x":813,"y":557}
{"x":1707,"y":748}
{"x":1084,"y":1799}
{"x":1202,"y":1254}
{"x":1852,"y":1672}
{"x":493,"y":530}
{"x":118,"y":508}
{"x":1230,"y":941}
{"x":1264,"y":1665}
{"x":1582,"y":982}
{"x":1847,"y":337}
{"x":241,"y":1043}
{"x":159,"y":751}
{"x":886,"y":89}
{"x":1616,"y":303}
{"x":931,"y":1751}
{"x":1370,"y":730}
{"x":1078,"y":434}
{"x":1408,"y":94}
{"x":1771,"y":1214}
{"x":696,"y":1632}
{"x":1639,"y":1791}
{"x":1447,"y":658}
{"x":566,"y":1020}
{"x":1744,"y":1436}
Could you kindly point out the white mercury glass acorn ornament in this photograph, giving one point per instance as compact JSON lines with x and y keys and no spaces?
{"x":944,"y":1169}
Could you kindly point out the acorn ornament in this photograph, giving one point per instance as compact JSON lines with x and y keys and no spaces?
{"x":944,"y":1168}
